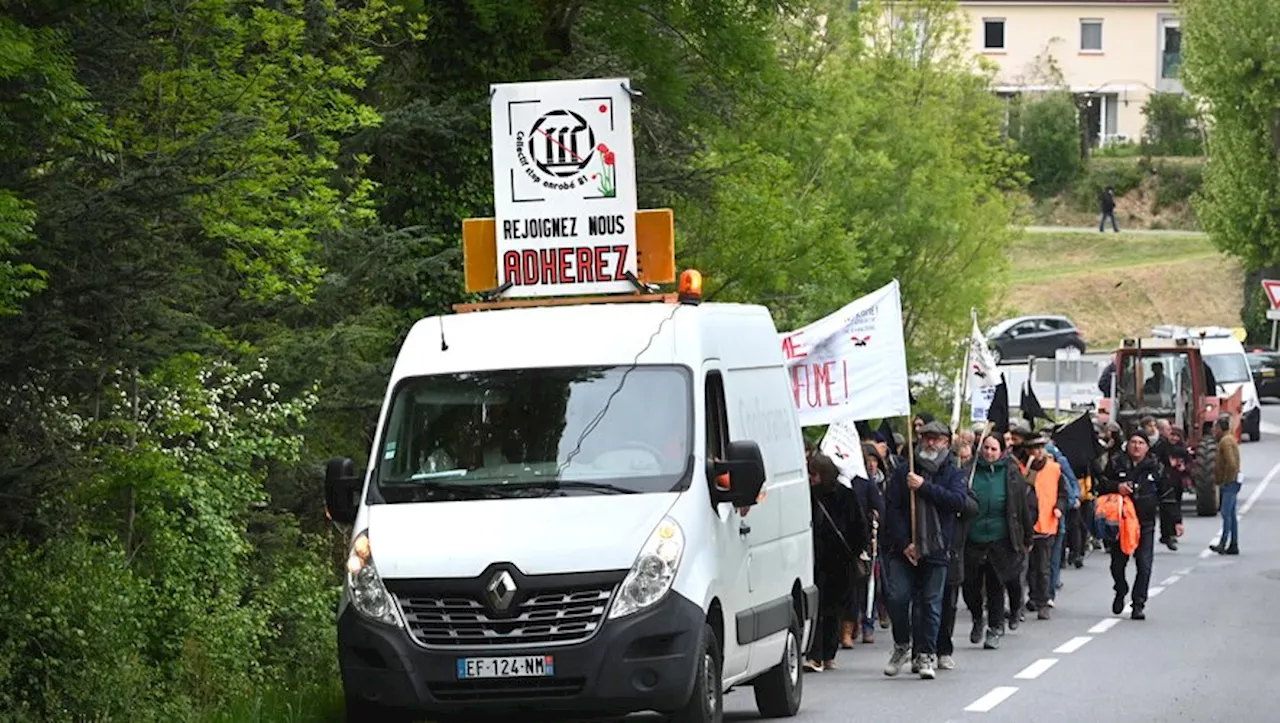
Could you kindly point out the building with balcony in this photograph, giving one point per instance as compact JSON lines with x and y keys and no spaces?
{"x":1112,"y":54}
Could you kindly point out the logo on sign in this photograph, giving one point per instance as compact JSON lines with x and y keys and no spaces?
{"x":860,"y":340}
{"x":560,"y":152}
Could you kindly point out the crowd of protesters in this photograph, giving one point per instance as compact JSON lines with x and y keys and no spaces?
{"x":990,"y":519}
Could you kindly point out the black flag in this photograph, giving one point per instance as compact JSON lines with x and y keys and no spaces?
{"x":885,"y":433}
{"x":1030,"y":406}
{"x":1078,"y":443}
{"x":998,"y":412}
{"x":864,"y":430}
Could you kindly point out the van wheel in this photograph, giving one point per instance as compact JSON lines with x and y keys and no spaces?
{"x":779,"y":690}
{"x":706,"y":705}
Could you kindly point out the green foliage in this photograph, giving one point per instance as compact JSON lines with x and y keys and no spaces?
{"x":1124,"y":176}
{"x":1176,"y":182}
{"x":1050,"y":137}
{"x":1173,"y":126}
{"x":1230,"y":63}
{"x":189,"y":189}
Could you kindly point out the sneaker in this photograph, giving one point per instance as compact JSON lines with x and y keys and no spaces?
{"x":829,"y":665}
{"x":975,"y":635}
{"x":1172,"y":544}
{"x":813,"y":666}
{"x":1233,"y":550}
{"x":1014,"y":619}
{"x":993,"y":640}
{"x":928,"y":667}
{"x":1218,"y":549}
{"x":899,"y":658}
{"x":1042,"y":613}
{"x":915,"y":663}
{"x":946,"y":662}
{"x":1117,"y":605}
{"x":1051,"y":603}
{"x":1138,"y":613}
{"x":868,"y":636}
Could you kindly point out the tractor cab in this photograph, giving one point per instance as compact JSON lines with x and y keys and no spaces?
{"x":1168,"y":378}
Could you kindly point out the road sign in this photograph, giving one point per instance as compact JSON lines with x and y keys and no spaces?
{"x":564,"y":180}
{"x":1273,"y":314}
{"x":1272,"y":287}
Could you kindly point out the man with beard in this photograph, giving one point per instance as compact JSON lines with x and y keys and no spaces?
{"x":917,"y":564}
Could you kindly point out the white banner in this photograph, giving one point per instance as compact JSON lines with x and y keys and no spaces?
{"x":851,"y":365}
{"x":564,"y":186}
{"x":982,"y":365}
{"x":980,"y":400}
{"x":843,"y":445}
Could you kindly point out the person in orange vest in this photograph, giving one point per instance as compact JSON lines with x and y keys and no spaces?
{"x":1045,"y":477}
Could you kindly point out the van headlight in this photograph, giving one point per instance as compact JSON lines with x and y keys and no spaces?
{"x":364,"y":584}
{"x":654,"y":570}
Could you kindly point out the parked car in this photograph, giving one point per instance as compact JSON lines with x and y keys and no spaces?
{"x":1038,"y":336}
{"x":1265,"y":366}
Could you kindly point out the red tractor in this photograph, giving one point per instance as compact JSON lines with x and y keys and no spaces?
{"x":1168,"y":379}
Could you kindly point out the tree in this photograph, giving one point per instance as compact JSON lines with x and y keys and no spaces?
{"x":1050,"y":137}
{"x":1230,"y":65}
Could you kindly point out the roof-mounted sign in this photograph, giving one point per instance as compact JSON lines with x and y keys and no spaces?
{"x":564,"y":182}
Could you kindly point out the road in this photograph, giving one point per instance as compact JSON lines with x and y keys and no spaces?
{"x":1204,"y":653}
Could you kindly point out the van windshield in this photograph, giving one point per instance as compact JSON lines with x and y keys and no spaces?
{"x":627,"y":428}
{"x":1229,"y":368}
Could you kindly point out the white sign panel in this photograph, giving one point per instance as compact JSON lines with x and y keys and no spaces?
{"x":980,"y":400}
{"x":564,"y":187}
{"x":843,"y":445}
{"x":851,"y":365}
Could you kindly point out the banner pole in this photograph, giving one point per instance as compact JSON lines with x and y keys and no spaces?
{"x":911,"y":469}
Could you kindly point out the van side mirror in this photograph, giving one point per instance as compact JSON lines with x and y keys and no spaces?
{"x":342,"y":490}
{"x":745,"y":468}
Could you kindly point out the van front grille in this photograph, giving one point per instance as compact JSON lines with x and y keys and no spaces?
{"x":543,"y":618}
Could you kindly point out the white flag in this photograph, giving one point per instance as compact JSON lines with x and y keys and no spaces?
{"x":851,"y":365}
{"x":981,"y":364}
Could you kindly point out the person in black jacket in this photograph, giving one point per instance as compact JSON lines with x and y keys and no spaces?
{"x":917,"y":567}
{"x":839,"y":536}
{"x":870,"y":493}
{"x":955,"y":578}
{"x":1137,"y":474}
{"x":1107,"y":201}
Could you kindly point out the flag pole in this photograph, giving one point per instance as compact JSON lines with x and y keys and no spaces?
{"x":986,"y":430}
{"x":911,"y":469}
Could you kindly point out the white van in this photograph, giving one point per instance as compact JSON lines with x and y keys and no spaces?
{"x":1226,"y":357}
{"x":580,"y":510}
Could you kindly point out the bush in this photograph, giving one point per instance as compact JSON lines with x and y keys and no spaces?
{"x":1049,"y":134}
{"x":1123,"y":177}
{"x":1173,"y":126}
{"x":1178,"y":183}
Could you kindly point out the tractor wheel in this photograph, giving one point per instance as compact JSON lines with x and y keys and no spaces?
{"x":1207,"y":498}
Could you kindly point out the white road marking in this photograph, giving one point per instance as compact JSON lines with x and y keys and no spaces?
{"x":1187,"y":571}
{"x":1154,"y":591}
{"x":1170,"y":580}
{"x":1206,"y":552}
{"x":997,"y":696}
{"x":1073,"y":644}
{"x":1257,"y":492}
{"x":1036,"y":669}
{"x":1104,"y":625}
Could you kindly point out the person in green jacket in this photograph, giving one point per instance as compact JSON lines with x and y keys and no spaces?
{"x":997,"y":538}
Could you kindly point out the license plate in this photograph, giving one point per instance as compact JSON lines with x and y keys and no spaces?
{"x":524,"y":666}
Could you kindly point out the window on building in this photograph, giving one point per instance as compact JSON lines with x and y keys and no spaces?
{"x":1091,"y":35}
{"x":1171,"y":50}
{"x":993,"y":33}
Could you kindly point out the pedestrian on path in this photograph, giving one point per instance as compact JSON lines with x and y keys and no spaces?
{"x":917,"y":568}
{"x":1108,"y":203}
{"x":1136,"y":474}
{"x":1226,"y":474}
{"x":996,"y":540}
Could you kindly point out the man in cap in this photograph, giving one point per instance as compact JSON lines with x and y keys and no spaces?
{"x":1044,"y":474}
{"x":917,"y":566}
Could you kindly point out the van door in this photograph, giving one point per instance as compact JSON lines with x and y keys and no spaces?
{"x":732,"y":550}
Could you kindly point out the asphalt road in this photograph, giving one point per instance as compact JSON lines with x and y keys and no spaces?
{"x":1204,"y":653}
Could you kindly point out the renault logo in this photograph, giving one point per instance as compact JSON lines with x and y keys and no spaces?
{"x":501,"y":590}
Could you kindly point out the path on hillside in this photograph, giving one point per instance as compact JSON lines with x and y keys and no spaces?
{"x":1135,"y":231}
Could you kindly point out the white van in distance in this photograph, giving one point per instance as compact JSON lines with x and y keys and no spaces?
{"x":575,"y":511}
